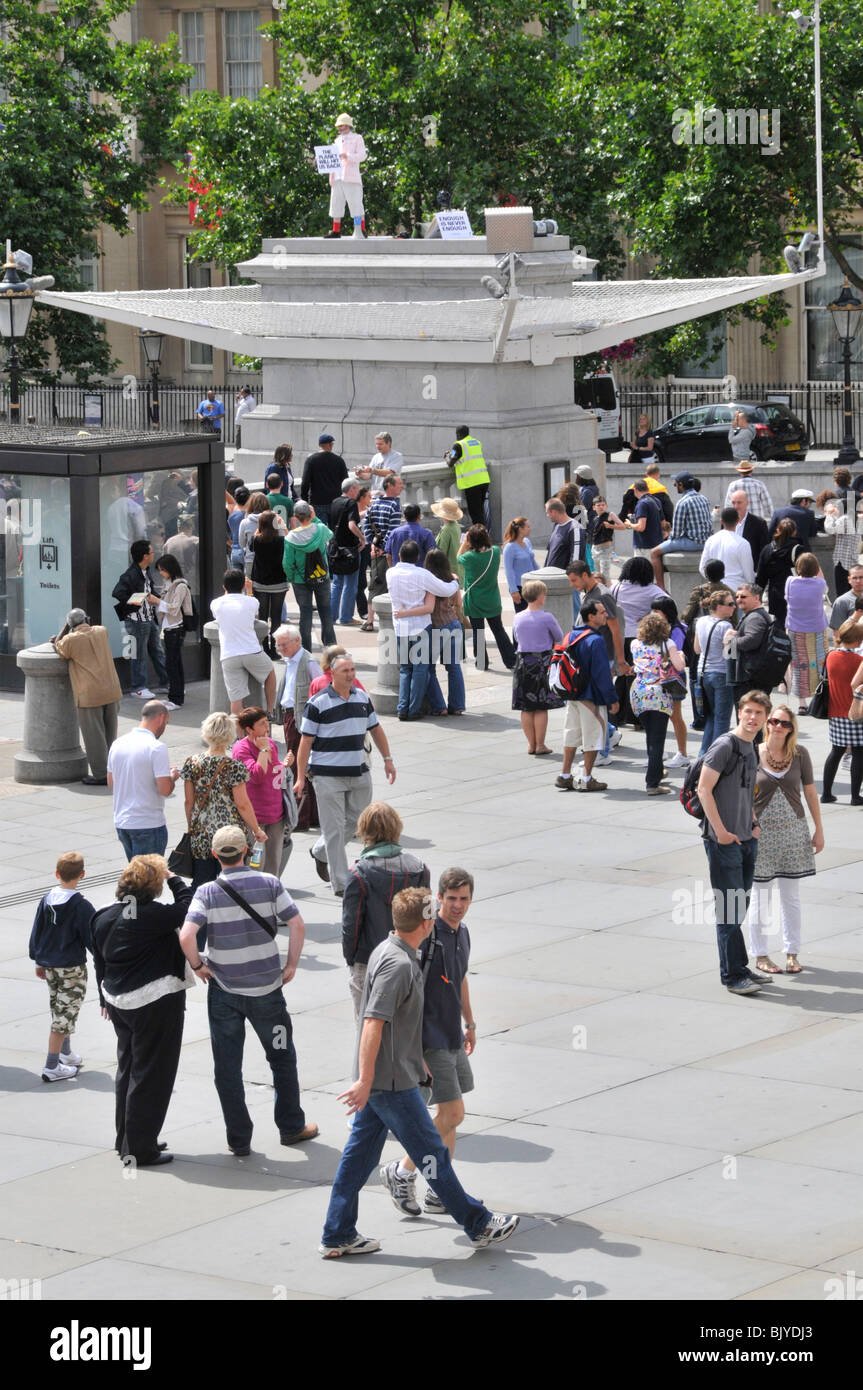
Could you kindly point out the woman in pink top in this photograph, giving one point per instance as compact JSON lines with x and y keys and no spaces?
{"x":259,"y":754}
{"x":806,"y":625}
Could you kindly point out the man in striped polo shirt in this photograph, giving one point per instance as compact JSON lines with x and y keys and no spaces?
{"x":246,"y":976}
{"x":332,"y":748}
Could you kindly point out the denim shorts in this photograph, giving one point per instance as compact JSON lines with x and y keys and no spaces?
{"x":451,"y":1074}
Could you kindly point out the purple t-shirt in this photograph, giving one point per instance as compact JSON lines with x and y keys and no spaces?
{"x":536,"y":631}
{"x":805,"y":599}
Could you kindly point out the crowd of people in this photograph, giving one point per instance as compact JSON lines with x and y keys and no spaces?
{"x":628,"y":656}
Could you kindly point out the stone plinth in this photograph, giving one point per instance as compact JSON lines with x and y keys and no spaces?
{"x":559,"y":598}
{"x":219,"y":702}
{"x":681,"y":575}
{"x":524,"y":413}
{"x":51,"y":749}
{"x":384,"y":689}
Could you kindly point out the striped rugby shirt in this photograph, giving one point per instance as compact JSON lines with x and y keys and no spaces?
{"x":242,"y":957}
{"x":338,"y":728}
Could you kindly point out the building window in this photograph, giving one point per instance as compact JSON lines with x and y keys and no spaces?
{"x":192,"y":48}
{"x":244,"y":75}
{"x":88,"y":271}
{"x":199,"y":276}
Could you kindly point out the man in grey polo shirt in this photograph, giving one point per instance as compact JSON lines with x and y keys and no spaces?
{"x":385,"y":1095}
{"x":246,"y":977}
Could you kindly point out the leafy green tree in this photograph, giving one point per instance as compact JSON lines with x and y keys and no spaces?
{"x":474,"y":98}
{"x":85,"y":128}
{"x":705,"y":209}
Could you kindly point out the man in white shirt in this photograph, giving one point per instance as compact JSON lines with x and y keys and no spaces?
{"x":732,"y":550}
{"x":241,"y":653}
{"x":141,"y":776}
{"x":245,"y":404}
{"x":408,"y":586}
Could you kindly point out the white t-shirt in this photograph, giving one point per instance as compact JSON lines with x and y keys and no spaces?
{"x":134,"y":762}
{"x":236,"y":614}
{"x":394,"y":461}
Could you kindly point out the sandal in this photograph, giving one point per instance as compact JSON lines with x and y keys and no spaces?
{"x":792,"y":965}
{"x":768,"y":968}
{"x":541,"y":752}
{"x":367,"y":627}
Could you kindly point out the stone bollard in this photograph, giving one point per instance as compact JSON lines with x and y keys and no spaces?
{"x":822,"y":548}
{"x":385,"y":689}
{"x":559,"y":598}
{"x":219,"y":702}
{"x":51,"y":751}
{"x":681,"y":575}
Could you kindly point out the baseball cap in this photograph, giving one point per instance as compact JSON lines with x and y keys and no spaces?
{"x":802,"y":493}
{"x":326,"y":439}
{"x":229,"y":842}
{"x":684,"y":477}
{"x":585,"y":472}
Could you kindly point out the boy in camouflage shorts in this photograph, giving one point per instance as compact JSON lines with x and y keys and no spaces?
{"x":58,"y":945}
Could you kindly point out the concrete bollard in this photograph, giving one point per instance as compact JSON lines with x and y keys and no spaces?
{"x":219,"y":702}
{"x":559,"y":598}
{"x":822,"y":548}
{"x":52,"y":750}
{"x":385,"y":689}
{"x":681,"y":575}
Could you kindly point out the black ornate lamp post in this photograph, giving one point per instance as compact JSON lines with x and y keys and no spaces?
{"x":16,"y":306}
{"x":153,"y":344}
{"x":845,"y":312}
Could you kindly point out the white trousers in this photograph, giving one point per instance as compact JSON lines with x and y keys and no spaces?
{"x":773,"y":905}
{"x":342,"y":192}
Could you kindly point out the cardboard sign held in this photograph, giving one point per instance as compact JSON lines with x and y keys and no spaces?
{"x":327,"y":159}
{"x":453,"y":224}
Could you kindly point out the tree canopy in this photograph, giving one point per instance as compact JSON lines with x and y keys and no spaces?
{"x":86,"y":125}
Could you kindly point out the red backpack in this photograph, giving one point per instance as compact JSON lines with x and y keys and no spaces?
{"x":566,"y":673}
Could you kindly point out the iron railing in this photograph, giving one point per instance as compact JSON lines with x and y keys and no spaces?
{"x":123,"y":405}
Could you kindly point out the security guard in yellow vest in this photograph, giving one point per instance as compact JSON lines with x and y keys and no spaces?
{"x":471,"y":474}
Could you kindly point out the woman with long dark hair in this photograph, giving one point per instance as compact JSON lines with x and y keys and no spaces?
{"x":269,"y":583}
{"x":176,"y":602}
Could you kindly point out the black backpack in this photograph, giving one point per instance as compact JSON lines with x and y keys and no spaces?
{"x":776,"y":654}
{"x":688,"y":794}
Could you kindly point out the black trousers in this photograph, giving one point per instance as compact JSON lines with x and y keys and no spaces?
{"x":501,"y":636}
{"x":270,"y":610}
{"x":362,"y":582}
{"x":476,"y":499}
{"x":148,"y":1054}
{"x":173,"y":640}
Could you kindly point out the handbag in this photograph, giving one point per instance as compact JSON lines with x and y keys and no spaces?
{"x":670,"y":677}
{"x":290,"y":810}
{"x":818,"y":705}
{"x":181,"y":860}
{"x":855,"y":713}
{"x":342,"y":559}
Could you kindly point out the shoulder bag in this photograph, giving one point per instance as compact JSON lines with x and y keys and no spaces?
{"x":181,"y":860}
{"x":247,"y":907}
{"x":670,"y":678}
{"x":820,"y":702}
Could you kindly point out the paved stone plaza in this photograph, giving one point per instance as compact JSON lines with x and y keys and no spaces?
{"x":661,"y":1138}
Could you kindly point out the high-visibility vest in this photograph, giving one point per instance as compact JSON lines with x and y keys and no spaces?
{"x":470,"y":469}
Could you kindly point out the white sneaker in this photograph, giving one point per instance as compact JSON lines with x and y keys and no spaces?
{"x":143,"y":694}
{"x":679,"y":760}
{"x":169,"y":704}
{"x":616,"y":738}
{"x":71,"y":1059}
{"x":602,"y":760}
{"x":499,"y":1228}
{"x":59,"y":1073}
{"x":359,"y":234}
{"x":360,"y":1245}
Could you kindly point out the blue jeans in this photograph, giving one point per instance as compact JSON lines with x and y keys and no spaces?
{"x":344,"y":595}
{"x":306,"y":594}
{"x":145,"y":638}
{"x":414,"y":671}
{"x":322,"y":512}
{"x":150,"y":841}
{"x":270,"y":1019}
{"x":405,"y":1113}
{"x":731,"y":871}
{"x":681,"y":543}
{"x":447,"y":645}
{"x":719,"y":706}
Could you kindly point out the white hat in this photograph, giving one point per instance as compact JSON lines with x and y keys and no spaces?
{"x":344,"y":119}
{"x":802,"y":493}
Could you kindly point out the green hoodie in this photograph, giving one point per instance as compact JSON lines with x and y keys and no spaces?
{"x":299,"y":544}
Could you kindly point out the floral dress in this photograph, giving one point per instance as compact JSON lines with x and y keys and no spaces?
{"x":214,"y":805}
{"x":646,"y":692}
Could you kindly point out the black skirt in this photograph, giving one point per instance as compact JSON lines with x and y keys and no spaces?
{"x":530,"y":688}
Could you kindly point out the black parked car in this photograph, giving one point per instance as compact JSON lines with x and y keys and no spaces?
{"x":700,"y":435}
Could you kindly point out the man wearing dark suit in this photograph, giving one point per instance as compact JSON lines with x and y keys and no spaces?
{"x":752,"y":528}
{"x":801,"y":514}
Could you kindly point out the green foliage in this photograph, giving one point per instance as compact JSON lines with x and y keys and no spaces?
{"x":461,"y":96}
{"x":706,"y":210}
{"x":86,"y":124}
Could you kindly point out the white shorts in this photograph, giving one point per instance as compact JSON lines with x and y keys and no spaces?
{"x":584,"y":726}
{"x":341,"y":191}
{"x":237,"y":669}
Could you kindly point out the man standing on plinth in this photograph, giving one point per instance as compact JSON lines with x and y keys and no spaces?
{"x":347,"y":185}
